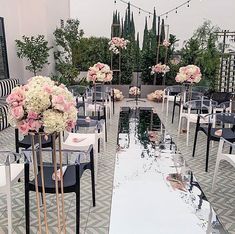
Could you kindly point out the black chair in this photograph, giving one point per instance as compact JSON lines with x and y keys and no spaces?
{"x":25,"y":143}
{"x":184,"y":97}
{"x":213,"y":123}
{"x":71,"y":180}
{"x":220,"y":96}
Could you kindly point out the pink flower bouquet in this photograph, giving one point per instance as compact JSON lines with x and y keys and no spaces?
{"x":134,"y":91}
{"x":160,"y":68}
{"x":100,"y":72}
{"x":166,"y":43}
{"x":117,"y":43}
{"x":118,"y":96}
{"x":189,"y":74}
{"x":155,"y":96}
{"x":41,"y":105}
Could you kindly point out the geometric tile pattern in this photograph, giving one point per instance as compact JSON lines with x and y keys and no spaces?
{"x":95,"y":220}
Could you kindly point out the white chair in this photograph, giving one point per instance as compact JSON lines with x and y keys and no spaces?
{"x":190,"y":111}
{"x":9,"y":174}
{"x":169,"y":96}
{"x":82,"y":141}
{"x":223,"y":107}
{"x":223,"y":156}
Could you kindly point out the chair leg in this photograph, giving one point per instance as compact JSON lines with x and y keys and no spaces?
{"x":207,"y":153}
{"x":173,"y":113}
{"x":27,"y":214}
{"x":77,"y":209}
{"x":215,"y":173}
{"x":77,"y":192}
{"x":187,"y":138}
{"x":9,"y":210}
{"x":195,"y":141}
{"x":92,"y":177}
{"x":179,"y":126}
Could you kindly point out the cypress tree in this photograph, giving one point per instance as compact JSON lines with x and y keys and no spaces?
{"x":145,"y":38}
{"x":162,"y":35}
{"x":154,"y":32}
{"x":132,"y":28}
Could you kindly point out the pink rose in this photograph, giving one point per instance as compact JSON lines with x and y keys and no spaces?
{"x":70,"y":125}
{"x":62,"y":86}
{"x":17,"y":112}
{"x":34,"y":125}
{"x":32,"y":115}
{"x":23,"y":127}
{"x":47,"y":88}
{"x":16,"y":95}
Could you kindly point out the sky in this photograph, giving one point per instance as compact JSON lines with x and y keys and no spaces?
{"x":96,"y":15}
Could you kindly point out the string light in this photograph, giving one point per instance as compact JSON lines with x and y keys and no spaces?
{"x":115,"y":1}
{"x":176,"y":8}
{"x":163,"y":14}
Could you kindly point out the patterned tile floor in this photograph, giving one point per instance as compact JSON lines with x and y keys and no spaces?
{"x":96,"y":219}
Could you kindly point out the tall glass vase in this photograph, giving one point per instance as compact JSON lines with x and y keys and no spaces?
{"x":188,"y":86}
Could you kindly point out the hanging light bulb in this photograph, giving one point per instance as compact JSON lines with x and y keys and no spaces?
{"x":188,"y":4}
{"x":176,"y":10}
{"x":139,"y":11}
{"x":166,"y":15}
{"x":115,"y":1}
{"x":149,"y":14}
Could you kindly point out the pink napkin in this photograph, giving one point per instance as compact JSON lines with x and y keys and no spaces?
{"x":218,"y":132}
{"x":58,"y":173}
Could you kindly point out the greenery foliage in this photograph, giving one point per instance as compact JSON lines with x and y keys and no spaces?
{"x":35,"y":50}
{"x":67,"y":39}
{"x":203,"y":50}
{"x":90,"y":51}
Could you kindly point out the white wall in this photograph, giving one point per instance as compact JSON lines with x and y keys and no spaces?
{"x":30,"y":18}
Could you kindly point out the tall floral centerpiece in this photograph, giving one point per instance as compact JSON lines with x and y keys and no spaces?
{"x":99,"y":73}
{"x":188,"y":76}
{"x":160,"y":69}
{"x":41,"y":105}
{"x":116,"y":44}
{"x":134,"y":91}
{"x":38,"y":109}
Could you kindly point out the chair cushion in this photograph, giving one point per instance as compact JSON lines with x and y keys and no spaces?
{"x":16,"y":171}
{"x":85,"y":141}
{"x":227,"y":133}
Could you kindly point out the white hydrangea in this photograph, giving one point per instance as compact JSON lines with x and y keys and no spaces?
{"x":53,"y":121}
{"x":36,"y":100}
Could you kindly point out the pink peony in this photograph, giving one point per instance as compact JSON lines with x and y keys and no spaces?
{"x":17,"y":112}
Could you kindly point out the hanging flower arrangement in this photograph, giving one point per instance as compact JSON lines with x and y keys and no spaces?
{"x":166,"y":43}
{"x":41,"y":105}
{"x":116,"y":44}
{"x":134,"y":91}
{"x":160,"y":68}
{"x":100,"y":72}
{"x":189,"y":74}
